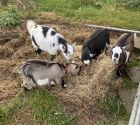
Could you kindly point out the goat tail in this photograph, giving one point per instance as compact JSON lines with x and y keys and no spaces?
{"x":30,"y":24}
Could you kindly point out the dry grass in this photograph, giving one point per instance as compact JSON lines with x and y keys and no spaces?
{"x":93,"y":83}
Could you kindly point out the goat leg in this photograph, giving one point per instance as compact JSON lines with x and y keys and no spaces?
{"x":38,"y":51}
{"x":63,"y":84}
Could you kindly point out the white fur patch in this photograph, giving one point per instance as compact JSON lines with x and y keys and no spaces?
{"x":65,"y":86}
{"x":127,"y":56}
{"x":52,"y":83}
{"x":117,"y":50}
{"x":87,"y":62}
{"x":92,"y":55}
{"x":42,"y":82}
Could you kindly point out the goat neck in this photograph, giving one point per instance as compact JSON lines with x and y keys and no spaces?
{"x":123,"y":57}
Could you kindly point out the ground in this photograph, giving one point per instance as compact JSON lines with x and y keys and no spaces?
{"x":81,"y":99}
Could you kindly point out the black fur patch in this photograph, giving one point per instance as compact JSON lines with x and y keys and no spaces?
{"x":53,"y":44}
{"x":63,"y":83}
{"x":63,"y":42}
{"x":86,"y":54}
{"x":45,"y":30}
{"x":34,"y":41}
{"x":41,"y":62}
{"x":116,"y":55}
{"x":31,"y":77}
{"x":39,"y":51}
{"x":53,"y":33}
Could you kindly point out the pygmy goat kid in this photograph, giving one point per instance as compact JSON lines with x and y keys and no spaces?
{"x":122,"y":51}
{"x":94,"y":45}
{"x":45,"y":39}
{"x":40,"y":73}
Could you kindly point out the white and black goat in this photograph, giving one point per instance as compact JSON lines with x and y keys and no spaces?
{"x":122,"y":51}
{"x":94,"y":45}
{"x":48,"y":40}
{"x":40,"y":73}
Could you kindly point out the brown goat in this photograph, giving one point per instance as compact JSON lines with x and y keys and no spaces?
{"x":122,"y":51}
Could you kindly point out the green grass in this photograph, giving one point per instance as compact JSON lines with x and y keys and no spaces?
{"x":10,"y":17}
{"x":133,"y":63}
{"x":114,"y":111}
{"x":129,"y":84}
{"x":7,"y":112}
{"x":45,"y":108}
{"x":95,"y":12}
{"x":116,"y":13}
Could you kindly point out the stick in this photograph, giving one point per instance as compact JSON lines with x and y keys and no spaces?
{"x":135,"y":107}
{"x":113,"y":28}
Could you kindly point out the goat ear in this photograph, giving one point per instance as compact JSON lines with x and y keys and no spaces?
{"x":125,"y":47}
{"x":109,"y":46}
{"x":74,"y":45}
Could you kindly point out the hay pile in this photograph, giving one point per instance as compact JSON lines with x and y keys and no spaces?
{"x":91,"y":85}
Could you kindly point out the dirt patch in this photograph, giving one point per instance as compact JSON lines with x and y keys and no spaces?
{"x":84,"y":91}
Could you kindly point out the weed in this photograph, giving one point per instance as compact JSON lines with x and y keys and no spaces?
{"x":11,"y":17}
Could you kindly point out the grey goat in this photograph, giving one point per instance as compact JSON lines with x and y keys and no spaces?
{"x":40,"y":73}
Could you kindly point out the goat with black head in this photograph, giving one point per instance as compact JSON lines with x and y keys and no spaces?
{"x":94,"y":45}
{"x":40,"y":73}
{"x":122,"y":51}
{"x":46,"y":39}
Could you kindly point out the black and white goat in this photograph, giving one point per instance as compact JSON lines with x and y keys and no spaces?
{"x":40,"y":73}
{"x":46,"y":39}
{"x":122,"y":51}
{"x":94,"y":45}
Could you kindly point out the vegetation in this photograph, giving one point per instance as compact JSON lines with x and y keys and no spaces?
{"x":114,"y":110}
{"x":45,"y":107}
{"x":134,"y":63}
{"x":108,"y":12}
{"x":116,"y":13}
{"x":10,"y":17}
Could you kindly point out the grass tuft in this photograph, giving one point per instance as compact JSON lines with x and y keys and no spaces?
{"x":11,"y":17}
